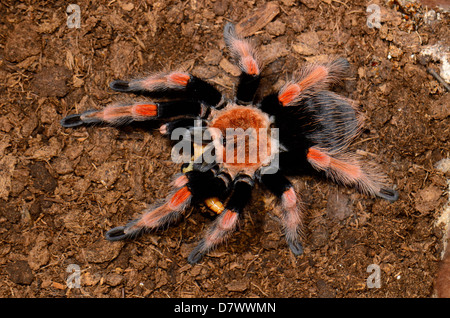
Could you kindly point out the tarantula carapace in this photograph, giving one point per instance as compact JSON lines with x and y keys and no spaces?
{"x":302,"y":126}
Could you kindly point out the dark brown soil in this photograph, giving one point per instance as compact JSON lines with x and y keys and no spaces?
{"x":62,"y":189}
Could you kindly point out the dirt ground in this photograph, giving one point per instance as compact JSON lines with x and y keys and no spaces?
{"x":62,"y":189}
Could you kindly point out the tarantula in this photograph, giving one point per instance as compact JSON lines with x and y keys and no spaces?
{"x":301,"y":128}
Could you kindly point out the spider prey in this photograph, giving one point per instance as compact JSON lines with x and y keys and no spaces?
{"x":315,"y":128}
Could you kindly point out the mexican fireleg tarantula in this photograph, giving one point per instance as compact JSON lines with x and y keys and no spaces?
{"x":315,"y":128}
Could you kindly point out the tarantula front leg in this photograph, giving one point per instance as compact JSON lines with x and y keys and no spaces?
{"x":124,"y":114}
{"x":226,"y":223}
{"x":171,"y":85}
{"x":245,"y":54}
{"x":312,"y":79}
{"x":186,"y":94}
{"x":292,"y":216}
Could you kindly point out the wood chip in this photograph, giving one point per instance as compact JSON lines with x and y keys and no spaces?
{"x":237,"y":286}
{"x":427,"y":199}
{"x":258,"y":20}
{"x":58,"y":285}
{"x":127,"y":6}
{"x":7,"y":164}
{"x":307,"y":43}
{"x":229,"y":67}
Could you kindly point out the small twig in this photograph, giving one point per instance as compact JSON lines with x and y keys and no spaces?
{"x":259,"y":288}
{"x":438,"y":78}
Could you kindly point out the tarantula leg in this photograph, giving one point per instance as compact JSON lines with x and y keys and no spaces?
{"x":123,"y":114}
{"x":227,"y":221}
{"x":154,"y":218}
{"x":188,"y":123}
{"x":315,"y":77}
{"x":75,"y":120}
{"x":245,"y":54}
{"x":209,"y":184}
{"x":292,"y":216}
{"x":247,"y":86}
{"x":193,"y":185}
{"x":223,"y":226}
{"x":171,"y":85}
{"x":349,"y":170}
{"x":210,"y":187}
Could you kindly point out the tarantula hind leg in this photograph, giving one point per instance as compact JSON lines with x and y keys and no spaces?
{"x":190,"y":187}
{"x":292,"y":216}
{"x":348,"y":170}
{"x":155,"y":218}
{"x":226,"y":223}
